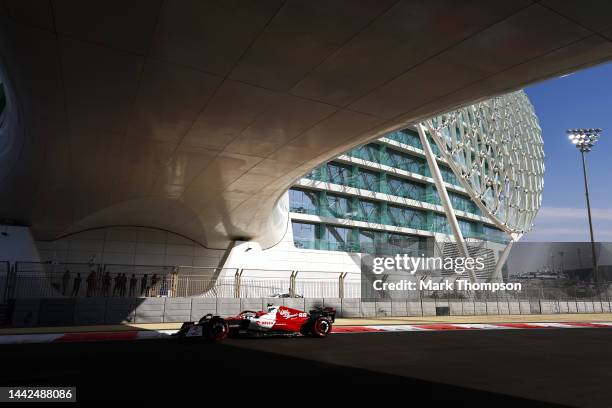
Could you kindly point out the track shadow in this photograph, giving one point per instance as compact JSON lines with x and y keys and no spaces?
{"x":167,"y":370}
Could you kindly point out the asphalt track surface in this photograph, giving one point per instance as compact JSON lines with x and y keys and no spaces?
{"x":519,"y":368}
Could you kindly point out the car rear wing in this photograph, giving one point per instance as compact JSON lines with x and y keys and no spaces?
{"x":328,"y":312}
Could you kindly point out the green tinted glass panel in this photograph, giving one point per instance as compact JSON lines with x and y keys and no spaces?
{"x":368,"y":180}
{"x":338,"y":206}
{"x":366,"y":152}
{"x":338,"y":173}
{"x":369,"y":211}
{"x":303,"y":201}
{"x":404,"y":188}
{"x":407,"y":217}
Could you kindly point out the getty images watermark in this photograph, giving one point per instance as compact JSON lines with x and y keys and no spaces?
{"x":392,"y":275}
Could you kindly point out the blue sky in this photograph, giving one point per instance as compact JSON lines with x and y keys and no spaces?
{"x":581,"y":99}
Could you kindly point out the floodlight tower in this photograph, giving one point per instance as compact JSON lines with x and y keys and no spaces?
{"x":584,"y":140}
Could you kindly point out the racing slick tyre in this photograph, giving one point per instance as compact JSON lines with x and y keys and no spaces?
{"x":216,"y":330}
{"x":321,"y":327}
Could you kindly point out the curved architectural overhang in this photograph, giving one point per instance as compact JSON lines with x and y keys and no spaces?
{"x":495,"y":149}
{"x":195,"y":117}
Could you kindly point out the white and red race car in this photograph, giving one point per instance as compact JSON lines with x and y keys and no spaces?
{"x":275,"y":321}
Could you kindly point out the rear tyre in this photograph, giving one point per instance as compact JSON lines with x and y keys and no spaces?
{"x":321,"y":327}
{"x":216,"y":330}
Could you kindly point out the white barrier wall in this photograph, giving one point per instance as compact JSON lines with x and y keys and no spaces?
{"x":83,"y":311}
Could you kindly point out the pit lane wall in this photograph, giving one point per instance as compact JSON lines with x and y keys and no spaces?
{"x":92,"y":311}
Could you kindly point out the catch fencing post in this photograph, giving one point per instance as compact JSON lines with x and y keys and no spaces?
{"x":341,"y":284}
{"x":237,"y":279}
{"x":174,"y":282}
{"x":292,"y":283}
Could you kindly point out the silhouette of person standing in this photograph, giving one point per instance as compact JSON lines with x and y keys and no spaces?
{"x":76,"y":285}
{"x":94,"y":283}
{"x":65,"y":282}
{"x":116,"y":283}
{"x":106,"y":281}
{"x":143,"y":284}
{"x":122,"y":284}
{"x":91,"y":284}
{"x":133,"y":282}
{"x":154,"y":280}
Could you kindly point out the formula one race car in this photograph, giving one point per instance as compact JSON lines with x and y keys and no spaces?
{"x":275,"y":321}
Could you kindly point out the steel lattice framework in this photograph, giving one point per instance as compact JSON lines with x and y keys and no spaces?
{"x":496,"y":150}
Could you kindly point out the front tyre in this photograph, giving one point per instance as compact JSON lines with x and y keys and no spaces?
{"x":216,"y":330}
{"x":321,"y":327}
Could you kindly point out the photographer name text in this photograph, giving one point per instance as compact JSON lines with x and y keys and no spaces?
{"x":404,"y":285}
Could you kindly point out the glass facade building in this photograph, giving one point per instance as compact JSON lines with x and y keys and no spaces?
{"x":380,"y":198}
{"x":384,"y":197}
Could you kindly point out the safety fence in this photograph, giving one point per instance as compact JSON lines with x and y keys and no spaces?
{"x":36,"y":279}
{"x":262,"y":287}
{"x":76,"y":280}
